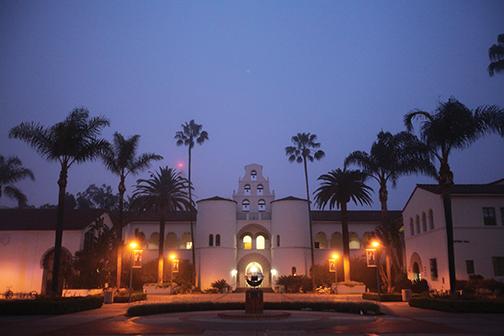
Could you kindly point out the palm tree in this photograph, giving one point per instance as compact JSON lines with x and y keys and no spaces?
{"x":121,"y":159}
{"x":453,"y":126}
{"x":191,"y":132}
{"x":164,"y":192}
{"x":390,"y":157}
{"x":74,"y":140}
{"x":496,"y":55}
{"x":306,"y":148}
{"x":12,"y":171}
{"x":337,"y":188}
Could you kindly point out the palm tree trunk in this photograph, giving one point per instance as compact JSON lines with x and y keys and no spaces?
{"x":62,"y":183}
{"x":309,"y":220}
{"x":161,"y":246}
{"x":346,"y":242}
{"x":119,"y":244}
{"x":446,"y":180}
{"x":386,"y":224}
{"x":193,"y":254}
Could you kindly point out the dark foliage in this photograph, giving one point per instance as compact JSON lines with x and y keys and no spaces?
{"x":419,"y":286}
{"x":295,"y":283}
{"x":45,"y":306}
{"x":389,"y":297}
{"x":221,"y":285}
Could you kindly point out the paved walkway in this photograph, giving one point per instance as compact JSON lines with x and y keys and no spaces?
{"x":399,"y":319}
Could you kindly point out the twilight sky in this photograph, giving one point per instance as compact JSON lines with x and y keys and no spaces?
{"x":253,"y":73}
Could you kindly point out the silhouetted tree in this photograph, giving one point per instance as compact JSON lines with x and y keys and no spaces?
{"x":97,"y":197}
{"x":166,"y":191}
{"x":453,"y":126}
{"x":71,"y":141}
{"x":337,"y":188}
{"x":12,"y":171}
{"x":190,"y":134}
{"x":496,"y":55}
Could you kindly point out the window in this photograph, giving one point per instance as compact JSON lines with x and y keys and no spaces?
{"x":470,"y":266}
{"x":260,"y":242}
{"x":412,"y":227}
{"x":417,"y":223}
{"x":154,"y":240}
{"x":261,"y":205}
{"x":489,"y":216}
{"x":260,"y":189}
{"x":424,"y":222}
{"x":246,"y":189}
{"x":278,"y":240}
{"x":336,"y":241}
{"x":247,"y":242}
{"x":354,"y":241}
{"x":210,"y":240}
{"x":498,"y":266}
{"x":217,"y":240}
{"x":246,"y":205}
{"x":320,"y":241}
{"x":253,"y":175}
{"x":433,"y":269}
{"x":431,"y":220}
{"x":293,"y":270}
{"x":185,"y":241}
{"x":171,"y":240}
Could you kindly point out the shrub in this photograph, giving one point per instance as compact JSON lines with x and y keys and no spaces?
{"x":404,"y":283}
{"x":124,"y":297}
{"x":477,"y":285}
{"x":295,"y":283}
{"x":221,"y":285}
{"x":382,"y":297}
{"x":419,"y":286}
{"x":341,"y":306}
{"x":46,"y":306}
{"x":458,"y":305}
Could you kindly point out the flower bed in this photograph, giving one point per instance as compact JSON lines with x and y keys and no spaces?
{"x":458,"y":305}
{"x":45,"y":306}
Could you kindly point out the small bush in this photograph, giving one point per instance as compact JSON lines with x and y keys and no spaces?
{"x":404,"y":283}
{"x":420,"y":286}
{"x":458,"y":305}
{"x":125,"y":297}
{"x":382,"y":297}
{"x":342,"y":307}
{"x":46,"y":306}
{"x":221,"y":285}
{"x":295,"y":283}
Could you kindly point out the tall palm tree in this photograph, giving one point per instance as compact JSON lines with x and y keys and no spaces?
{"x":306,"y":148}
{"x":392,"y":156}
{"x":453,"y":126}
{"x":191,"y":134}
{"x":496,"y":55}
{"x":121,"y":159}
{"x":164,"y":192}
{"x":12,"y":171}
{"x":74,"y":140}
{"x":337,"y":188}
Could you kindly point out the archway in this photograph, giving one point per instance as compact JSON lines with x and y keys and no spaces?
{"x":416,"y":266}
{"x":251,"y":263}
{"x":47,"y":262}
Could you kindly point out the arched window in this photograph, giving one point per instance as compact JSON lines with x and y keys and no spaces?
{"x":354,"y":241}
{"x":431,"y":219}
{"x":424,"y":222}
{"x":246,"y":189}
{"x":320,"y":241}
{"x":247,"y":242}
{"x":260,"y":189}
{"x":246,"y":205}
{"x":412,"y":227}
{"x":278,"y":240}
{"x":185,"y":241}
{"x":154,"y":240}
{"x":253,"y":175}
{"x":171,"y":240}
{"x":217,"y":240}
{"x":260,"y":242}
{"x":210,"y":240}
{"x":417,"y":223}
{"x":261,"y":205}
{"x":337,"y":241}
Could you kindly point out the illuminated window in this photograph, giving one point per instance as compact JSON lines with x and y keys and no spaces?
{"x":210,"y":240}
{"x":247,"y":242}
{"x":431,"y":219}
{"x":424,"y":222}
{"x":261,"y":205}
{"x":253,"y":175}
{"x":354,"y":241}
{"x":260,"y":242}
{"x":260,"y":189}
{"x":217,"y":240}
{"x":246,"y":205}
{"x":246,"y":189}
{"x":185,"y":241}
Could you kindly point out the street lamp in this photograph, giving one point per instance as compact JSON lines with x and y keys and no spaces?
{"x":375,"y":246}
{"x":174,"y":265}
{"x":136,"y":262}
{"x":333,"y":267}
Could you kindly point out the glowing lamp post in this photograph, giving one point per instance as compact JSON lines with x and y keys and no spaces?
{"x":136,"y":262}
{"x":373,"y":260}
{"x":333,"y":267}
{"x":174,"y":265}
{"x":234,"y":274}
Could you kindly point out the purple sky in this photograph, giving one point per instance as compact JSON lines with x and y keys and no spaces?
{"x":253,"y":73}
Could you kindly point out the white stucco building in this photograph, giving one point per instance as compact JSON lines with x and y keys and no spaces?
{"x":478,"y":229}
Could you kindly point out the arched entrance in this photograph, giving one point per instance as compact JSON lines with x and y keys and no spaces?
{"x":47,"y":264}
{"x":253,"y":263}
{"x":416,"y":266}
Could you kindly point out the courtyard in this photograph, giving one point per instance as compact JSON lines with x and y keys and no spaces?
{"x":398,"y":319}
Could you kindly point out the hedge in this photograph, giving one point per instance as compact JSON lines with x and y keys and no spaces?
{"x":458,"y":305}
{"x":382,"y":297}
{"x":138,"y":296}
{"x":342,"y":307}
{"x":46,"y":306}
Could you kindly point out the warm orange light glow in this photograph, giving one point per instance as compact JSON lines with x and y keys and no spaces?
{"x":335,"y":256}
{"x":133,"y":245}
{"x":375,"y":244}
{"x":172,"y":256}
